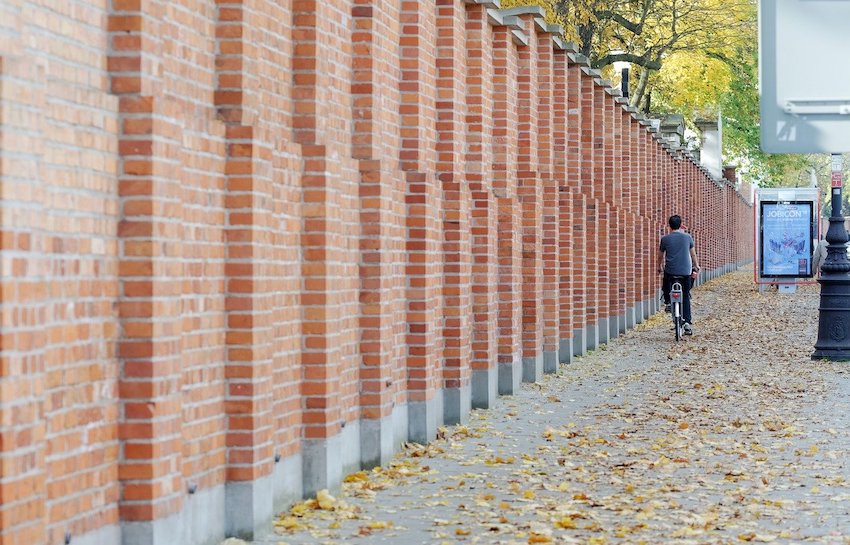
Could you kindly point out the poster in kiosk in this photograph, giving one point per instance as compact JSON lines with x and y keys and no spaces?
{"x":787,"y":234}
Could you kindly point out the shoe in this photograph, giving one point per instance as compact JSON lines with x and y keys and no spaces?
{"x":667,"y":307}
{"x":689,"y":329}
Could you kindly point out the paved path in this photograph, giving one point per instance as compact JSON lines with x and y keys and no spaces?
{"x":733,"y":435}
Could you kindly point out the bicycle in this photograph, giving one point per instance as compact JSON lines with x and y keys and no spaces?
{"x":676,"y":301}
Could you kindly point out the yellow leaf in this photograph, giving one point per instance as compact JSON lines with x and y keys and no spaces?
{"x":462,"y":532}
{"x":563,"y":487}
{"x":539,"y":538}
{"x":600,"y":540}
{"x":379,"y":525}
{"x":683,"y":426}
{"x":566,"y":523}
{"x":325,"y":500}
{"x":301,"y":509}
{"x":357,"y":477}
{"x":288,"y":523}
{"x":528,"y":494}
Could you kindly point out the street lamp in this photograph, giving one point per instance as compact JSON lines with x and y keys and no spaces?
{"x":622,"y":68}
{"x":834,"y":320}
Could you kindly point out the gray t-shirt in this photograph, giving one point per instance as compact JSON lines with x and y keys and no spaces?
{"x":677,"y":253}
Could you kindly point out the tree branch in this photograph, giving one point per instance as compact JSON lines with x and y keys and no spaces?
{"x":634,"y":28}
{"x":641,"y":60}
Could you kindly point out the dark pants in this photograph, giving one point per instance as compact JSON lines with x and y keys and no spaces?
{"x":686,"y":282}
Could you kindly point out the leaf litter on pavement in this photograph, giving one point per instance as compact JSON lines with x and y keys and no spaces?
{"x":733,"y":435}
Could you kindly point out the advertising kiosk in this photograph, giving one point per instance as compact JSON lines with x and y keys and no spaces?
{"x":787,"y":234}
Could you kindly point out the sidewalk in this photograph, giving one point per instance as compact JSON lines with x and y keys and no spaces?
{"x":733,"y":435}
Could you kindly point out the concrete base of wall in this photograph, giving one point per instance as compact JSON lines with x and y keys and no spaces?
{"x":377,"y":442}
{"x":485,"y":388}
{"x":110,"y":535}
{"x":401,"y":425}
{"x":457,"y":402}
{"x":565,"y":351}
{"x":248,"y":508}
{"x":603,"y":331}
{"x":550,"y":362}
{"x":618,"y":326}
{"x":423,"y":419}
{"x":160,"y":532}
{"x":532,"y":368}
{"x":204,"y":520}
{"x":351,"y":453}
{"x":579,"y":342}
{"x":288,"y":482}
{"x":591,"y":335}
{"x":510,"y":377}
{"x":322,"y":464}
{"x":633,"y":316}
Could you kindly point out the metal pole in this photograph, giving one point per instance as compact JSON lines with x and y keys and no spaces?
{"x":833,"y":341}
{"x":624,"y":82}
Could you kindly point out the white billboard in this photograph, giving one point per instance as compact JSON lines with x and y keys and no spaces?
{"x":804,"y":51}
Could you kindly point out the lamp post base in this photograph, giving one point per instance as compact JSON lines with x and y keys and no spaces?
{"x":833,"y":341}
{"x":831,"y":355}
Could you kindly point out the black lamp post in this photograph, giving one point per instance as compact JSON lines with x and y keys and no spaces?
{"x":834,"y":319}
{"x":624,"y":82}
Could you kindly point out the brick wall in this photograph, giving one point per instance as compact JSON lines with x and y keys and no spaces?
{"x":249,"y":246}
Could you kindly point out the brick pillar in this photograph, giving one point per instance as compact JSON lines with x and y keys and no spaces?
{"x":250,"y":283}
{"x":604,"y":214}
{"x":578,"y":266}
{"x":549,"y":206}
{"x":376,"y":147}
{"x":715,"y":225}
{"x":591,"y":218}
{"x":660,"y":195}
{"x":561,"y":131}
{"x":330,"y":238}
{"x":530,"y":195}
{"x":645,"y":242}
{"x":23,"y":375}
{"x":451,"y":115}
{"x":152,"y":487}
{"x":505,"y":144}
{"x":618,"y":236}
{"x":704,"y":248}
{"x":630,"y":281}
{"x":59,"y":450}
{"x":483,"y":223}
{"x":424,"y":228}
{"x":22,"y":379}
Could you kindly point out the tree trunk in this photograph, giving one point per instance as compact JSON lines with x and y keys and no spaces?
{"x":640,"y":89}
{"x":585,"y":35}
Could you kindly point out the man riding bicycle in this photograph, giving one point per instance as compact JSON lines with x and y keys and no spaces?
{"x":677,"y":259}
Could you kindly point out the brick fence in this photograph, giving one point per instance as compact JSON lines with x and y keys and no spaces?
{"x":249,"y":246}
